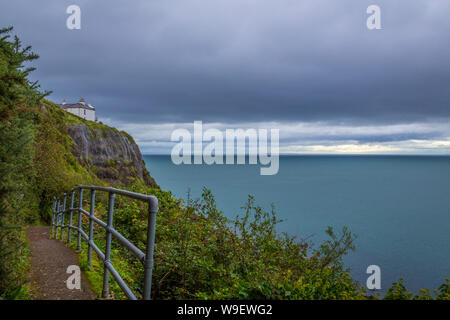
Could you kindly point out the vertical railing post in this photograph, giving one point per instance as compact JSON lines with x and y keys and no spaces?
{"x":80,"y":206}
{"x":69,"y":231}
{"x":53,"y":216}
{"x":152,"y":210}
{"x":91,"y":226}
{"x":63,"y":215}
{"x":58,"y":211}
{"x":105,"y":292}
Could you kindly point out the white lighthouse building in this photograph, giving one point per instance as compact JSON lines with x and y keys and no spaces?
{"x":81,"y":109}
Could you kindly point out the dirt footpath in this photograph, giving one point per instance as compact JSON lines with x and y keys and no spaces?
{"x":49,"y":261}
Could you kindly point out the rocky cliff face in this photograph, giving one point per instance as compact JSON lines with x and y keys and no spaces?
{"x":112,"y":155}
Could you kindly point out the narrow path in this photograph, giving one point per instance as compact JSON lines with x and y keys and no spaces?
{"x":49,"y":261}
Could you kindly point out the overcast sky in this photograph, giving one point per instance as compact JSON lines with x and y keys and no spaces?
{"x":308,"y":67}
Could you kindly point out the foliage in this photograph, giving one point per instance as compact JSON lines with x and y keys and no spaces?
{"x":19,"y":101}
{"x":398,"y":291}
{"x":200,"y":254}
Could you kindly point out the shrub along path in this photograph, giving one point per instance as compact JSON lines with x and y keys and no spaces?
{"x":49,"y":261}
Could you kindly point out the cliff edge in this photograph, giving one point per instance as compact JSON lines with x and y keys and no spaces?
{"x":112,"y":155}
{"x":77,"y":151}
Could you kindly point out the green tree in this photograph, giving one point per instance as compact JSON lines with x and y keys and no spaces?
{"x":19,"y":103}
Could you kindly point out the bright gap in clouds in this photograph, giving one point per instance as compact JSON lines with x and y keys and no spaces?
{"x":431,"y":137}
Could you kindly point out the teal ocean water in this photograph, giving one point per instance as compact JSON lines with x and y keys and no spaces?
{"x":398,"y":205}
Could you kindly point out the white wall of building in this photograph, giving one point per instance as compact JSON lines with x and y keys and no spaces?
{"x":83,"y":113}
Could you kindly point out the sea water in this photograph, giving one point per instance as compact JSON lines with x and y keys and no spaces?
{"x":399,"y":206}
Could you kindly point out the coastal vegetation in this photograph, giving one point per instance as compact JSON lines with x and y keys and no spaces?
{"x":199,"y":253}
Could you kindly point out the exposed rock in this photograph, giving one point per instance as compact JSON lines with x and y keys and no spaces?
{"x":111,"y":154}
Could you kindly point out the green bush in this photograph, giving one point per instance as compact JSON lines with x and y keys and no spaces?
{"x":19,"y":102}
{"x":201,"y":254}
{"x":398,"y":291}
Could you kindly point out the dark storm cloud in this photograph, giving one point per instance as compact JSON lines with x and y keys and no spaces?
{"x":240,"y":60}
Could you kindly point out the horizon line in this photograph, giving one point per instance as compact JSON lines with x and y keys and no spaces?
{"x":334,"y":154}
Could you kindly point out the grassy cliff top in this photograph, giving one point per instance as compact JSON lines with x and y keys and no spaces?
{"x":70,"y":119}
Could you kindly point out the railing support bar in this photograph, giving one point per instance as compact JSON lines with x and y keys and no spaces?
{"x":58,"y":210}
{"x":152,"y":210}
{"x":53,"y":216}
{"x":91,"y":227}
{"x":62,"y":215}
{"x":80,"y":205}
{"x":69,"y":231}
{"x":105,"y":292}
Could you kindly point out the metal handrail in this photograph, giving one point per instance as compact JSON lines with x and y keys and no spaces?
{"x":58,"y":221}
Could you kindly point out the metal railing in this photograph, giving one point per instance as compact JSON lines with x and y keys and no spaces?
{"x":58,"y":221}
